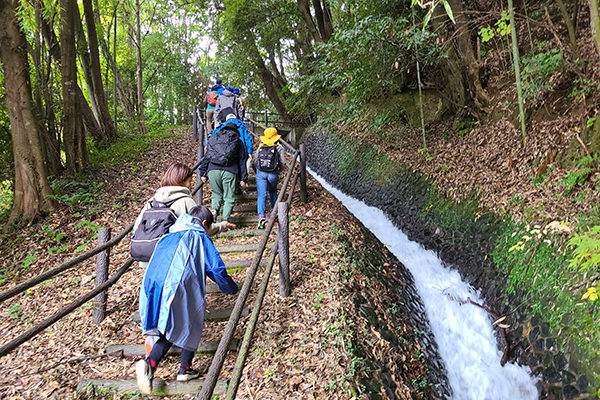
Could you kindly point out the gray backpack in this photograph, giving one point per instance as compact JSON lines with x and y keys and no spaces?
{"x":155,"y":223}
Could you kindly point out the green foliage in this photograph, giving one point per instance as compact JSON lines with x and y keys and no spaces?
{"x":367,"y":58}
{"x":75,"y":190}
{"x":501,"y":27}
{"x":126,"y":148}
{"x":586,"y":166}
{"x":6,"y":199}
{"x":537,"y":261}
{"x":586,"y":250}
{"x":538,"y":70}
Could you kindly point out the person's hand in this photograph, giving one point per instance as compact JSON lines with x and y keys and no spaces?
{"x":228,"y":226}
{"x":203,"y":179}
{"x":243,"y":184}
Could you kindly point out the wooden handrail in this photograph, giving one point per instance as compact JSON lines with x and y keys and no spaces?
{"x":15,"y":290}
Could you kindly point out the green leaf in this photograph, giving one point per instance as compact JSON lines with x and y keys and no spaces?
{"x":427,"y":18}
{"x":449,"y":11}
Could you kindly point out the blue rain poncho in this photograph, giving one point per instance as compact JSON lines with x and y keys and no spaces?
{"x":172,"y":296}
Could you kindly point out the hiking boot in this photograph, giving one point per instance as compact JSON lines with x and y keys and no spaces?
{"x":187,"y":374}
{"x":261,"y":222}
{"x":143,"y":373}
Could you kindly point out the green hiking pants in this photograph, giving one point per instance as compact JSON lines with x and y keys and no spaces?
{"x":222,"y":185}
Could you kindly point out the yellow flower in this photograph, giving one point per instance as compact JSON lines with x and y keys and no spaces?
{"x":592,"y":294}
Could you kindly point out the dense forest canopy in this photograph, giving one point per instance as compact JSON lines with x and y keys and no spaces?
{"x":77,"y":75}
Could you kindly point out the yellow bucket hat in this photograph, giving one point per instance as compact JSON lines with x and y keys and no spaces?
{"x":270,"y":137}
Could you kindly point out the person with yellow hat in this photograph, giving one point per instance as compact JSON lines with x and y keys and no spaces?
{"x":268,"y":160}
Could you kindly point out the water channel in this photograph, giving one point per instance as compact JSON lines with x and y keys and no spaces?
{"x":463,"y":331}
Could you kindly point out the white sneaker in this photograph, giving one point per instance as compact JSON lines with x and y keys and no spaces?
{"x":143,"y":374}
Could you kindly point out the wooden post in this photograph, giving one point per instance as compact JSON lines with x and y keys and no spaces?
{"x":102,"y":261}
{"x":198,"y":178}
{"x":195,"y":124}
{"x":284,"y":250}
{"x":267,"y":118}
{"x":303,"y":191}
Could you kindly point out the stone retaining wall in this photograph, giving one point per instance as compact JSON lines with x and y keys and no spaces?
{"x":405,"y":198}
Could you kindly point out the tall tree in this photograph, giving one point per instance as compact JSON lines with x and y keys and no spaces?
{"x":140,"y":80}
{"x":73,"y":135}
{"x":104,"y":117}
{"x":31,"y":180}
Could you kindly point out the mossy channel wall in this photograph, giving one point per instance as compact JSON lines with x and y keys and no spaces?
{"x":463,"y":238}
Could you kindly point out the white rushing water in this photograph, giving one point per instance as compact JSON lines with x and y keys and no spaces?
{"x":463,"y":332}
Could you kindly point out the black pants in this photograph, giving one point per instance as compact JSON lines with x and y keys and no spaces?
{"x":160,"y":349}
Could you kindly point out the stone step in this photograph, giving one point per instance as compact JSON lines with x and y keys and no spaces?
{"x":139,"y":350}
{"x":235,"y":265}
{"x":236,"y":248}
{"x":244,"y":220}
{"x":246,"y":197}
{"x":243,"y":233}
{"x":244,"y":207}
{"x":211,"y":314}
{"x":160,"y":387}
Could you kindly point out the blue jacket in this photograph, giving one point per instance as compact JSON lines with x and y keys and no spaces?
{"x":242,"y":129}
{"x":172,"y":296}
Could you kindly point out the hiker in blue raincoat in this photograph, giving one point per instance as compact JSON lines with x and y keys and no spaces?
{"x":172,"y":296}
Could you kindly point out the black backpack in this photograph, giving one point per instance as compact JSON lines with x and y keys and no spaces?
{"x":155,"y":222}
{"x":224,"y":146}
{"x":267,"y":158}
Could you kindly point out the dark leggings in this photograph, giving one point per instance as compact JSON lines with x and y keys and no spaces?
{"x":160,"y":349}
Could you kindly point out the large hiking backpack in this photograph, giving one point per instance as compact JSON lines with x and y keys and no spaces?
{"x":211,"y":98}
{"x":267,"y":158}
{"x":224,"y":146}
{"x":155,"y":222}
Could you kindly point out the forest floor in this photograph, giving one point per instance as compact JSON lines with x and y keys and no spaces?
{"x":298,"y":351}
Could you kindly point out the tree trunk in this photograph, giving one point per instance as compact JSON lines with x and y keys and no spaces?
{"x":140,"y":93}
{"x":323,"y":20}
{"x":304,"y":8}
{"x":31,"y":179}
{"x":43,"y":99}
{"x":595,"y":23}
{"x":104,"y":117}
{"x":89,"y":120}
{"x":570,"y":27}
{"x":466,"y":56}
{"x":73,"y":136}
{"x":271,"y":85}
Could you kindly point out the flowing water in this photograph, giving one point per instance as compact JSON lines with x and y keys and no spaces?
{"x":463,"y":331}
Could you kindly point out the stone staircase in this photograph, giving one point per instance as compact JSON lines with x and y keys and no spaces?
{"x":237,"y":248}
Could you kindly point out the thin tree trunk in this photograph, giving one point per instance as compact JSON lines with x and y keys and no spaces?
{"x":327,"y":20}
{"x":465,"y":52}
{"x":516,"y":63}
{"x":271,"y":86}
{"x":73,"y":136}
{"x":570,"y":27}
{"x":104,"y":119}
{"x":89,"y":120}
{"x":595,"y":17}
{"x":304,"y":8}
{"x":31,"y":180}
{"x":140,"y":93}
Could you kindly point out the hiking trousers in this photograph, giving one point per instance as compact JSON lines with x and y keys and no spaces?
{"x":222,"y":185}
{"x":210,"y":112}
